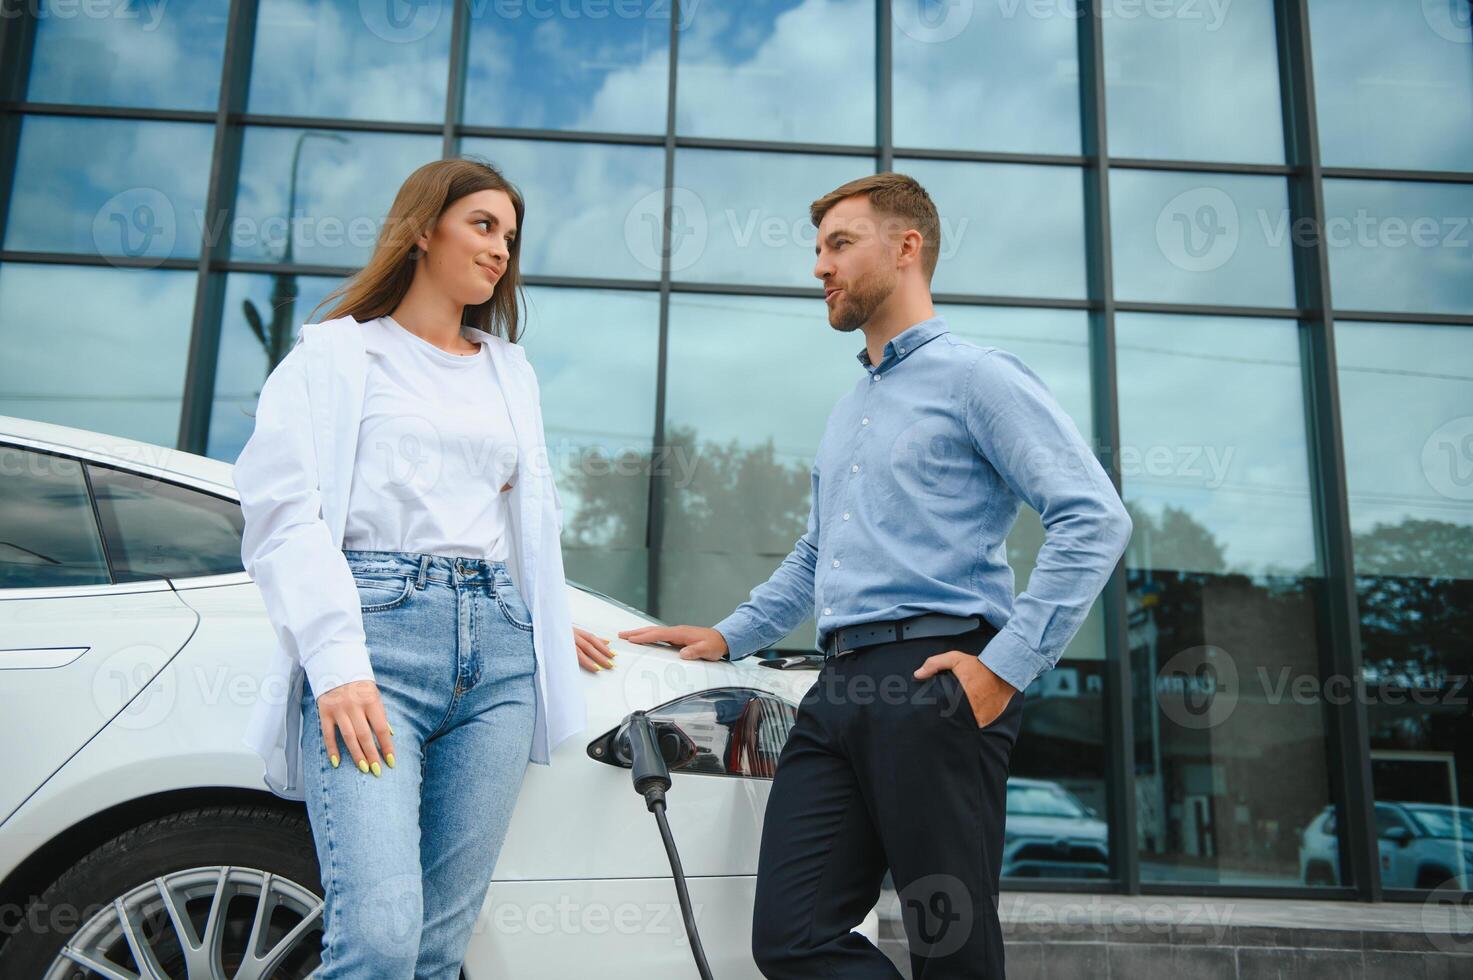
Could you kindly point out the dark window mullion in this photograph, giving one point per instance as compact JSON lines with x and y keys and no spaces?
{"x":1119,"y":734}
{"x":1348,"y":748}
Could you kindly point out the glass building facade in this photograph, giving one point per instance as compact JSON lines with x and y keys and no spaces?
{"x":1236,"y":240}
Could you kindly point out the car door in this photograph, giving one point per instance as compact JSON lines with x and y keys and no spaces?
{"x":80,"y":634}
{"x":1398,"y":857}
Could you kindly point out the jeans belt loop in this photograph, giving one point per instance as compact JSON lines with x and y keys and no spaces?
{"x":424,"y":569}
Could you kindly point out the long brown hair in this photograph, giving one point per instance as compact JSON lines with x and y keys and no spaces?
{"x":425,"y":194}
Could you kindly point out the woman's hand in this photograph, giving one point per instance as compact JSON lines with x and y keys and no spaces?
{"x":593,"y":650}
{"x":355,"y":711}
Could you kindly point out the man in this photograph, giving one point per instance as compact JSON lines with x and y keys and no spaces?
{"x":899,"y":754}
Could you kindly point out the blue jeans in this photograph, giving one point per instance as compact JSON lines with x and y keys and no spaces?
{"x":406,"y":857}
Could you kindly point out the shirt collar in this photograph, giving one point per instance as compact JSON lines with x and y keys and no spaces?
{"x":906,"y":342}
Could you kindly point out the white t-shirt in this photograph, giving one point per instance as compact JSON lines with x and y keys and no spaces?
{"x":435,"y":447}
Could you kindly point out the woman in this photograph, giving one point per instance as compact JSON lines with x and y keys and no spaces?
{"x":402,"y":527}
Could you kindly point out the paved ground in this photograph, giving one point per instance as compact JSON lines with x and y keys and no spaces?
{"x":1146,"y":937}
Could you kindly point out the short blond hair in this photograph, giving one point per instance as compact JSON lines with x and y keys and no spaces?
{"x":898,"y":195}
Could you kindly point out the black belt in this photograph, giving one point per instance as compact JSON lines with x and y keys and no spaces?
{"x":842,"y":641}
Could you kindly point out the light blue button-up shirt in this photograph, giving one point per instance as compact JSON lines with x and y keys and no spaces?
{"x":919,"y":476}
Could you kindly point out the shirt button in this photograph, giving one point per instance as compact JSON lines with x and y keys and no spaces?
{"x":836,"y":563}
{"x":864,"y":421}
{"x":854,"y":468}
{"x":846,"y":516}
{"x":876,"y":376}
{"x":827,"y":611}
{"x":901,"y":349}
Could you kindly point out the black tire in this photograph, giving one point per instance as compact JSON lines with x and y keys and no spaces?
{"x":1430,"y":877}
{"x":243,"y":837}
{"x":1319,"y":873}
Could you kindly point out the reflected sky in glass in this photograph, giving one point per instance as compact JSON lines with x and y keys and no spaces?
{"x":346,"y":182}
{"x":585,"y":202}
{"x":1200,"y":84}
{"x":379,"y":59}
{"x":1400,"y":246}
{"x":162,"y":56}
{"x":1406,"y":404}
{"x":598,"y":433}
{"x":137,"y":191}
{"x":243,"y":362}
{"x":1006,"y":229}
{"x":1201,"y":238}
{"x":743,"y":217}
{"x":1394,"y":83}
{"x":588,"y":67}
{"x":1212,"y":424}
{"x":989,"y":76}
{"x":794,"y":70}
{"x":736,"y":508}
{"x":96,"y":348}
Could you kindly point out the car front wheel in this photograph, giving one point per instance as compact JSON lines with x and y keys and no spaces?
{"x":215,"y":893}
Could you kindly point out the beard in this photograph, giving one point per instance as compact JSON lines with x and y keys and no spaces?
{"x":859,"y":300}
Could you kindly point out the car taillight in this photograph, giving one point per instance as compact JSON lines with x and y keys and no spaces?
{"x":731,"y":731}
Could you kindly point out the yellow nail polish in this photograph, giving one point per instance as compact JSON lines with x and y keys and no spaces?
{"x":391,"y":728}
{"x":363,"y":765}
{"x":334,"y":760}
{"x":376,"y":769}
{"x":597,"y":667}
{"x":390,"y":759}
{"x":612,"y":665}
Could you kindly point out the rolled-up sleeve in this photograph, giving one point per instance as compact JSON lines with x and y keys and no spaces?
{"x":1019,"y":427}
{"x":287,"y":548}
{"x":776,"y":607}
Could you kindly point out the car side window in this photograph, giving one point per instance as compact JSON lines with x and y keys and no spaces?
{"x":155,"y":529}
{"x":48,"y":532}
{"x":1387,"y":818}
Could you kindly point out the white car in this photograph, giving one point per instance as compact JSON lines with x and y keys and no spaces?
{"x":136,"y":835}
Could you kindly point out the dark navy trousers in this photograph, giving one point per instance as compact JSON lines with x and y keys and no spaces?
{"x":885,"y":771}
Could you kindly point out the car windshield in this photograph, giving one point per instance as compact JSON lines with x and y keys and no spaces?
{"x":622,"y":605}
{"x":1444,"y":821}
{"x":1043,"y":801}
